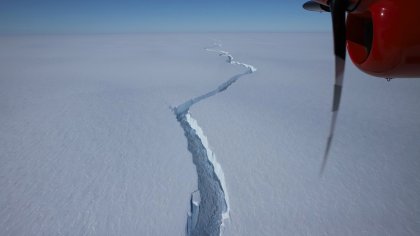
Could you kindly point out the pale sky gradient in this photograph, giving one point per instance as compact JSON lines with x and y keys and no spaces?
{"x":132,"y":16}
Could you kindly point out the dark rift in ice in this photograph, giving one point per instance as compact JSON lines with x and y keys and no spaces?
{"x":210,"y":203}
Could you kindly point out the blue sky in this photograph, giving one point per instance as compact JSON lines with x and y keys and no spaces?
{"x":131,"y":16}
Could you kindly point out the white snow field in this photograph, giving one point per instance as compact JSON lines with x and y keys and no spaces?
{"x":98,"y":135}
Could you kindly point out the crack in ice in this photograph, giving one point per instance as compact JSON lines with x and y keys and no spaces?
{"x":210,"y":203}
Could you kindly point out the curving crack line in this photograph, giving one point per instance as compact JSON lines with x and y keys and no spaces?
{"x":210,"y":203}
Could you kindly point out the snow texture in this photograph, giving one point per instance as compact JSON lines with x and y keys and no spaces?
{"x":88,"y":145}
{"x":270,"y":133}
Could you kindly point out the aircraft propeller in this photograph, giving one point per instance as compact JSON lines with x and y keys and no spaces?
{"x":338,"y":15}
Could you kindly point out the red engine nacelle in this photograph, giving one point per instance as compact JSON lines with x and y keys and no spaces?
{"x":383,"y":36}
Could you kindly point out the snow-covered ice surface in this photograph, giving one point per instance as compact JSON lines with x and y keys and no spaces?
{"x":270,"y":130}
{"x":89,"y":146}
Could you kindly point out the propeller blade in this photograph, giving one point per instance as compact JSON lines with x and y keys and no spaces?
{"x":314,"y":6}
{"x":338,"y":15}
